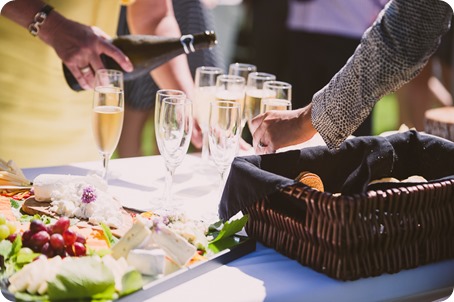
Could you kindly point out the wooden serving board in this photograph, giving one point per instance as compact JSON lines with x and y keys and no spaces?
{"x":32,"y":207}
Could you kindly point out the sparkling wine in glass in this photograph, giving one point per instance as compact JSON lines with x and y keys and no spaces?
{"x":224,"y":134}
{"x":275,"y":104}
{"x":204,"y":93}
{"x":108,"y":111}
{"x":231,"y":88}
{"x":255,"y":93}
{"x":174,"y":129}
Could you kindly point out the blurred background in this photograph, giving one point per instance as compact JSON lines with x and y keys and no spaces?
{"x":255,"y":32}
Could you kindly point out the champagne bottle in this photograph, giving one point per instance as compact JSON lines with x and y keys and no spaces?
{"x":148,"y":52}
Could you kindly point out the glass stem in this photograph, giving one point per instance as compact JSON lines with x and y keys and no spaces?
{"x":168,"y":184}
{"x":205,"y":147}
{"x":105,"y":163}
{"x":222,"y":182}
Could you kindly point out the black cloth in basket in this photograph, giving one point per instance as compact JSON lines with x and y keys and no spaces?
{"x":348,"y":170}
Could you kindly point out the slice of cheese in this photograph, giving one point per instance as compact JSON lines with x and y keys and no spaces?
{"x":175,"y":246}
{"x":134,"y":237}
{"x":148,"y":262}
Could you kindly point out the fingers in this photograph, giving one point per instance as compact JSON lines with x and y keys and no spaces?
{"x":117,"y":55}
{"x":84,"y":76}
{"x":244,"y":145}
{"x":261,"y":139}
{"x":255,"y":123}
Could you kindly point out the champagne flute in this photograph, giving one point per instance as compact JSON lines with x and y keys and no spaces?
{"x":161,"y":95}
{"x":241,"y":69}
{"x":224,"y":135}
{"x":275,"y":104}
{"x":255,"y":93}
{"x":231,"y":88}
{"x":204,"y":93}
{"x":174,"y":129}
{"x":108,"y":111}
{"x":279,"y":89}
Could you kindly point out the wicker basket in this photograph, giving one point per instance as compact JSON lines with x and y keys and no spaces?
{"x":348,"y":237}
{"x":351,"y":237}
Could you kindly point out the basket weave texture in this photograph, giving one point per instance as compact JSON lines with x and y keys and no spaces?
{"x":356,"y":235}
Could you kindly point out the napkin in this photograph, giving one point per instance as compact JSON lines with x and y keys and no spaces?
{"x":348,"y":170}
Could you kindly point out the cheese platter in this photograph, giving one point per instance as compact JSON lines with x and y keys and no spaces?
{"x":136,"y":254}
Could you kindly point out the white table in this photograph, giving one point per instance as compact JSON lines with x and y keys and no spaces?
{"x":263,"y":275}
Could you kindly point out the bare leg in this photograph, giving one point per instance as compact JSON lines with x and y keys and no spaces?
{"x":130,"y":144}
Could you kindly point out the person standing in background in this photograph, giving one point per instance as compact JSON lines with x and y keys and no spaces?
{"x":431,"y":88}
{"x":44,"y":122}
{"x":192,"y":17}
{"x":322,"y":35}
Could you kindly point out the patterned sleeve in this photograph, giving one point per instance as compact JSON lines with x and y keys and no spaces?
{"x":392,"y":52}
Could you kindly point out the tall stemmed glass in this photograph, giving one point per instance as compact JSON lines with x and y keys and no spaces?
{"x":241,"y":69}
{"x":174,"y":129}
{"x":204,"y":93}
{"x":231,"y":88}
{"x":255,"y":93}
{"x":160,"y":96}
{"x":108,"y":111}
{"x":224,"y":134}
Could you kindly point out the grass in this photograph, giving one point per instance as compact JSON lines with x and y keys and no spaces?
{"x":385,"y":116}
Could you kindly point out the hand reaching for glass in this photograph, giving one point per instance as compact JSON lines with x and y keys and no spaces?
{"x":277,"y":129}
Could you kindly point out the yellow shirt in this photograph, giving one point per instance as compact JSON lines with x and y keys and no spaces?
{"x":42,"y":121}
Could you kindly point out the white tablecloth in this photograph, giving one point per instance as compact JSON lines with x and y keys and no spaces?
{"x":263,"y":275}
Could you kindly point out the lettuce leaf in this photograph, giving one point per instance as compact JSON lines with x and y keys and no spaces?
{"x":224,"y":238}
{"x":131,"y":281}
{"x":80,"y":278}
{"x":230,"y":228}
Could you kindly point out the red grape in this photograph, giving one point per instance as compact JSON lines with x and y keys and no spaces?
{"x":12,"y":237}
{"x":26,"y":236}
{"x":36,"y":226}
{"x":57,"y":242}
{"x":61,"y":225}
{"x":70,"y":237}
{"x":80,"y":238}
{"x":47,"y":250}
{"x":38,"y":240}
{"x":70,"y":250}
{"x":79,"y":249}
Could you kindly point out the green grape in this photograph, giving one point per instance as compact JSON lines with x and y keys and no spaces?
{"x":11,"y":226}
{"x":4,"y":231}
{"x":25,"y":251}
{"x":2,"y":219}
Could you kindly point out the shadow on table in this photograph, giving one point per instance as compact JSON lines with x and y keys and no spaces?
{"x":31,"y":173}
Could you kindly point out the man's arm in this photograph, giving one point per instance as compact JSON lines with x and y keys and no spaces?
{"x":78,"y":45}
